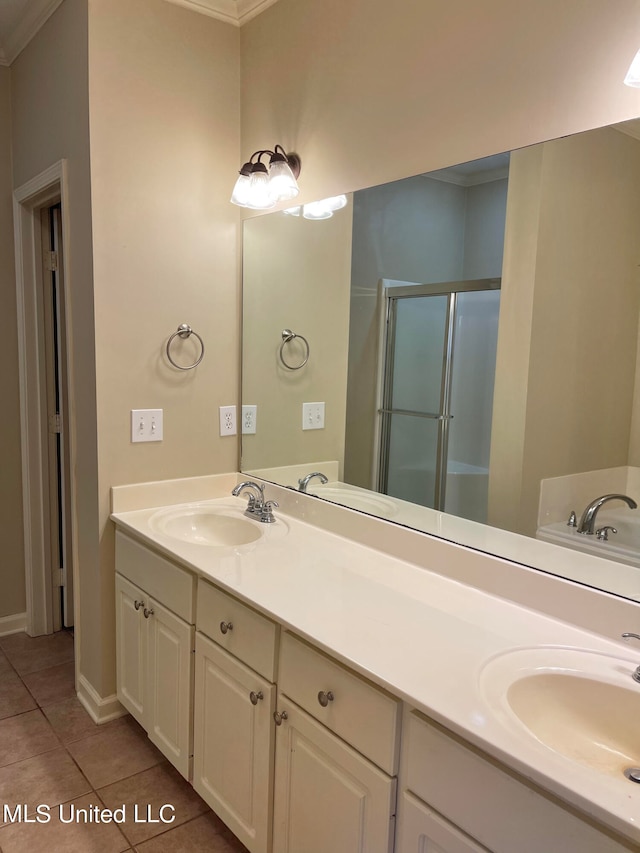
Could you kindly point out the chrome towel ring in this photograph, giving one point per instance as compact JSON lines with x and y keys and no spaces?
{"x":287,"y":337}
{"x":185,"y":331}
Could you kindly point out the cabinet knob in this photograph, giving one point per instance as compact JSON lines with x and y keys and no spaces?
{"x":226,"y":626}
{"x":255,"y":697}
{"x":325,"y":698}
{"x":279,"y":717}
{"x":138,"y":604}
{"x":148,"y":612}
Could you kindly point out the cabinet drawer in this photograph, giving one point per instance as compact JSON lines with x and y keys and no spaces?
{"x":421,"y":830}
{"x":490,"y":803}
{"x":168,"y":583}
{"x":252,"y":637}
{"x":362,"y":714}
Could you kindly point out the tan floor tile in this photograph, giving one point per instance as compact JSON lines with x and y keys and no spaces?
{"x":5,"y":666}
{"x":205,"y":834}
{"x":50,"y":778}
{"x":14,"y":696}
{"x":29,"y":654}
{"x":52,"y":684}
{"x":155,"y":787}
{"x":121,"y":751}
{"x":68,"y":837}
{"x":25,"y":736}
{"x":70,"y":721}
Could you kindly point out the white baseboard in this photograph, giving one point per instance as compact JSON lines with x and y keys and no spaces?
{"x":13,"y":624}
{"x":100,"y":710}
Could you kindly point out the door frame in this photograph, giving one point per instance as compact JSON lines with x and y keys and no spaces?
{"x":41,"y":191}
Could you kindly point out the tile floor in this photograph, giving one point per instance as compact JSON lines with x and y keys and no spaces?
{"x":52,"y":753}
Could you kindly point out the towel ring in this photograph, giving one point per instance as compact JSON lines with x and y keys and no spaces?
{"x":185,"y":331}
{"x":287,"y":337}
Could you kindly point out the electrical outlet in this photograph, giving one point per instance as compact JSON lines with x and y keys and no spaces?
{"x":249,"y":418}
{"x":146,"y":425}
{"x":228,"y":420}
{"x":313,"y":416}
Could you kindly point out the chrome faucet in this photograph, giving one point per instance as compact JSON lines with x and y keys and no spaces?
{"x":588,"y":520}
{"x":256,"y":501}
{"x":304,"y":481}
{"x":630,"y":635}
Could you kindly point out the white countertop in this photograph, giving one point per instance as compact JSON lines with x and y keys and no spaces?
{"x":422,"y":636}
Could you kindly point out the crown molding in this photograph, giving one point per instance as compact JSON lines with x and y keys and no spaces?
{"x":36,"y":14}
{"x":235,"y":12}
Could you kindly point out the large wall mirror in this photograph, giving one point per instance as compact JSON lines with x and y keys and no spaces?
{"x":457,"y":352}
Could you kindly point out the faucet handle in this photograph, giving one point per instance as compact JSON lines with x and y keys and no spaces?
{"x":602,"y":533}
{"x":629,"y":635}
{"x":573,"y":519}
{"x":266,"y":514}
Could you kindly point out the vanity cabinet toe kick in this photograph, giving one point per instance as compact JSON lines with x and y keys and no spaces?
{"x":295,"y":752}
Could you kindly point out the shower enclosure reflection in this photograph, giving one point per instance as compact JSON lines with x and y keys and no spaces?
{"x":435,"y":413}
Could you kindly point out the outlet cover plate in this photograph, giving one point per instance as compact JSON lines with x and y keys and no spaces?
{"x":249,"y":418}
{"x":228,"y":420}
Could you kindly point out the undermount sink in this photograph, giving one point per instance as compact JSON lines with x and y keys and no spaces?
{"x":358,"y":499}
{"x":582,"y":705}
{"x":212,"y":526}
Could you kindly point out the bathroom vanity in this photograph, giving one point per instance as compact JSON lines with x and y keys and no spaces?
{"x":322,"y":695}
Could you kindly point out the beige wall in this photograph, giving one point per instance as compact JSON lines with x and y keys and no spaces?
{"x":565,"y":375}
{"x":303,"y":286}
{"x":164,"y":104}
{"x":12,"y":600}
{"x":368,"y":92}
{"x":51,"y":122}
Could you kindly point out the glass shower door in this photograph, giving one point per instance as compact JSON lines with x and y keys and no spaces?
{"x":413,"y":399}
{"x":435,"y":427}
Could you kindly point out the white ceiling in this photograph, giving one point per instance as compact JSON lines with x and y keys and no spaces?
{"x":20,"y":20}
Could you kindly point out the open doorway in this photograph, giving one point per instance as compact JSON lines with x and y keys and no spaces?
{"x":41,"y":234}
{"x":54,"y":380}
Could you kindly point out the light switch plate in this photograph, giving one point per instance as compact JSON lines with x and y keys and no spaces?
{"x":146,"y":425}
{"x":313,"y":416}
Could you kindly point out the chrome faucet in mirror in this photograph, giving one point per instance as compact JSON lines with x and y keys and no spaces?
{"x":588,"y":520}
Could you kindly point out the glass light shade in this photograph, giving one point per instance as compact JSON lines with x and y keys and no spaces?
{"x":282,"y":181}
{"x":317,"y":210}
{"x":260,"y":197}
{"x":240,"y":194}
{"x":633,"y":74}
{"x":293,"y":211}
{"x":336,"y":202}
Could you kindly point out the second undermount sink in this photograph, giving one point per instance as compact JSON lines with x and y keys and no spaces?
{"x":580,"y":704}
{"x":205,"y":525}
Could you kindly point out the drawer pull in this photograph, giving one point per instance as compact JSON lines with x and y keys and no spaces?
{"x":148,"y":612}
{"x":325,"y":698}
{"x":226,"y":626}
{"x":138,"y":604}
{"x":256,"y":697}
{"x":279,"y":716}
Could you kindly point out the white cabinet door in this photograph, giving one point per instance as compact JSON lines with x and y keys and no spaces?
{"x":131,"y":648}
{"x":327,"y":796}
{"x":169,"y":685}
{"x":233,"y":743}
{"x":421,"y":830}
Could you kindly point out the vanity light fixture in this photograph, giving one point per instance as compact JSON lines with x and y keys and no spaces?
{"x":633,"y":74}
{"x":260,"y":188}
{"x":323,"y":209}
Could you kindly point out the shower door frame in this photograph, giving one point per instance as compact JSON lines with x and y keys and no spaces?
{"x":390,"y":294}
